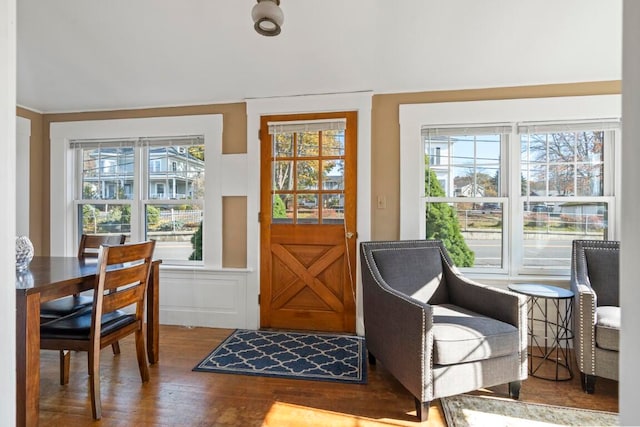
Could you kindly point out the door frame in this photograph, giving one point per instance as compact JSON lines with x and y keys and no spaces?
{"x":361,"y":103}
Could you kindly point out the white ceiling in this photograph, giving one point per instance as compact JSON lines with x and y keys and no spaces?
{"x":80,"y":55}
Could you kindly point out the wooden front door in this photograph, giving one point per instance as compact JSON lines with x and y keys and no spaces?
{"x":308,"y":221}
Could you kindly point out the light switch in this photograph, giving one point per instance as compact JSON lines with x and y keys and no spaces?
{"x":382,"y":202}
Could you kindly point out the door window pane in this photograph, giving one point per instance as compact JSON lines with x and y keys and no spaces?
{"x":333,"y":143}
{"x":307,"y":211}
{"x":283,"y":145}
{"x":307,"y":174}
{"x":308,"y":144}
{"x":333,"y":208}
{"x":282,"y":209}
{"x":333,"y":175}
{"x":282,"y":175}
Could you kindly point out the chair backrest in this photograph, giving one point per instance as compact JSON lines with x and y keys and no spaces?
{"x":90,"y":243}
{"x":413,"y":267}
{"x":123,"y":275}
{"x":597,"y":262}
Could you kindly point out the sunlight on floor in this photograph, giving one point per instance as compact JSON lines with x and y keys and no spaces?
{"x":282,"y":413}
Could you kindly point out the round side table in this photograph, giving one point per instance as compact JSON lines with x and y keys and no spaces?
{"x":551,"y":345}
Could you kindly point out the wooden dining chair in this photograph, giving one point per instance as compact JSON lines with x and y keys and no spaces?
{"x":88,"y":248}
{"x":121,"y":282}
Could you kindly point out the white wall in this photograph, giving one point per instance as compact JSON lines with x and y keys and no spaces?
{"x":629,"y":243}
{"x":23,"y":142}
{"x":8,"y":216}
{"x":437,"y":45}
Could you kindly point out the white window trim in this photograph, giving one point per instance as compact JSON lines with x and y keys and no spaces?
{"x":63,"y":183}
{"x":413,"y":117}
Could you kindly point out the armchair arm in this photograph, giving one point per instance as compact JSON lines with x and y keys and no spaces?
{"x":584,"y":313}
{"x":398,"y":333}
{"x":500,"y":304}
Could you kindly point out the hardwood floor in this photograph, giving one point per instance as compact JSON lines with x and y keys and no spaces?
{"x":176,"y":396}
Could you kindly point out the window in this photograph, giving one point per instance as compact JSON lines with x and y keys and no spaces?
{"x":565,"y":191}
{"x":171,"y":201}
{"x":308,"y":171}
{"x":567,"y":188}
{"x":465,"y":202}
{"x":555,"y":179}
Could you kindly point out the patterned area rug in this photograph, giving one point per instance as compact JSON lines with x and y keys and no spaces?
{"x":305,"y":356}
{"x":479,"y":411}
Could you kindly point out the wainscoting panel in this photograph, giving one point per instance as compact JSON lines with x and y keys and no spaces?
{"x":203,"y":298}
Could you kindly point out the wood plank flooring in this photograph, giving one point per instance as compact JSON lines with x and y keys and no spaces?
{"x":176,"y":396}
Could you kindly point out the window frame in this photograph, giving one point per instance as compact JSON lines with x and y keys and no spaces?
{"x":415,"y":117}
{"x":65,"y":233}
{"x":506,"y":135}
{"x":611,"y":144}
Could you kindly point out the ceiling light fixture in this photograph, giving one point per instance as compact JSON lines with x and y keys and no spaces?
{"x":267,"y":17}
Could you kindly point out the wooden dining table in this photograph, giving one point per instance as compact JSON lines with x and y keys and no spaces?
{"x":48,"y":278}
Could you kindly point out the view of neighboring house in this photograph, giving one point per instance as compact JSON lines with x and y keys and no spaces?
{"x":173,"y":173}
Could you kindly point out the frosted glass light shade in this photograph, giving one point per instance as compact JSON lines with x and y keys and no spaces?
{"x":267,"y":17}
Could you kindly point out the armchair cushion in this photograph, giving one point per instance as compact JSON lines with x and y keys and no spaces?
{"x":608,"y":328}
{"x":416,"y":272}
{"x":603,"y":272}
{"x":460,"y":336}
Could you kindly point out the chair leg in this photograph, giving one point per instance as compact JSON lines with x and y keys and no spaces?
{"x":141,"y":352}
{"x":514,"y":389}
{"x":94,"y":383}
{"x":588,"y":383}
{"x":65,"y":362}
{"x":422,"y":410}
{"x":115,"y":347}
{"x":372,"y":358}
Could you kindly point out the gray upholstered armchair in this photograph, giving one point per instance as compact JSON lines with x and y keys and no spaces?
{"x":595,"y":269}
{"x":436,"y":332}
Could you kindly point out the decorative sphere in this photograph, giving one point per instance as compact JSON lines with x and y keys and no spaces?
{"x":24,"y":252}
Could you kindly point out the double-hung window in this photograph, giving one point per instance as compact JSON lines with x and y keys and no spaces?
{"x":145,"y":188}
{"x":510,"y":198}
{"x":567,"y":191}
{"x":465,"y":197}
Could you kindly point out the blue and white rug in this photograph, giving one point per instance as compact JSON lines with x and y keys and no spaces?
{"x":305,"y":356}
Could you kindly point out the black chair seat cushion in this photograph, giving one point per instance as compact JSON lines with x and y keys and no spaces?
{"x":77,"y":327}
{"x":64,"y":306}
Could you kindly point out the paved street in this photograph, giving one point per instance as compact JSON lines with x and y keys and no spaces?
{"x":547,"y":253}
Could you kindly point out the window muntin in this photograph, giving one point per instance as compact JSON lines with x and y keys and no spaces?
{"x":174,"y":206}
{"x":564,"y":171}
{"x":107,"y":171}
{"x":565,"y":191}
{"x":155,"y":185}
{"x":467,"y":165}
{"x":549,"y":228}
{"x":563,"y":163}
{"x":307,"y":172}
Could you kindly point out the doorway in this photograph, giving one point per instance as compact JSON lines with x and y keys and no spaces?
{"x":308,"y":221}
